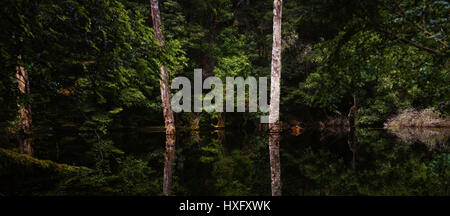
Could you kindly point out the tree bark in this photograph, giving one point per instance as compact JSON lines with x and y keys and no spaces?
{"x":169,"y":121}
{"x":23,"y":85}
{"x":274,"y":113}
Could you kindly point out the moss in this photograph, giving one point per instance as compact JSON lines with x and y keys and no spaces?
{"x":11,"y":161}
{"x":118,"y":151}
{"x":152,"y":129}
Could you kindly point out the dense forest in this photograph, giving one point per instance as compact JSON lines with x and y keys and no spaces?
{"x":79,"y":74}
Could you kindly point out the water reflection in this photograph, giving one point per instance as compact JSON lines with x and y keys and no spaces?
{"x":169,"y":164}
{"x":237,"y":163}
{"x":221,"y":138}
{"x":275,"y":172}
{"x":352,"y":141}
{"x":26,"y":145}
{"x":432,"y":137}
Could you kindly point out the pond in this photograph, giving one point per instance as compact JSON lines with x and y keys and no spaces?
{"x":227,"y":162}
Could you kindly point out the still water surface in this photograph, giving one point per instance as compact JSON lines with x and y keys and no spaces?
{"x":225,"y":162}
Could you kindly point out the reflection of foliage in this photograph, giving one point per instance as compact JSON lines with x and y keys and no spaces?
{"x":427,"y":118}
{"x":116,"y":172}
{"x":315,"y":165}
{"x":310,"y":165}
{"x":233,"y":174}
{"x":230,"y":171}
{"x":235,"y":170}
{"x":382,"y":168}
{"x":134,"y":177}
{"x":211,"y":151}
{"x":432,"y":137}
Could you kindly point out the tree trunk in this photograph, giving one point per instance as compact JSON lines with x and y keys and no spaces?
{"x":23,"y":84}
{"x":274,"y":113}
{"x":169,"y":121}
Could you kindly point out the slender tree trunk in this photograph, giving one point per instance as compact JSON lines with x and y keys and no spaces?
{"x":274,"y":113}
{"x":221,"y":138}
{"x":352,"y":141}
{"x":169,"y":121}
{"x":23,"y":85}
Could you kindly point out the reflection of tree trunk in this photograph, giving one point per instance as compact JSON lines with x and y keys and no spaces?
{"x":274,"y":126}
{"x":169,"y":164}
{"x":221,"y":138}
{"x":6,"y":136}
{"x":354,"y":161}
{"x":221,"y":120}
{"x":195,"y":136}
{"x":169,"y":121}
{"x":57,"y":151}
{"x":275,"y":171}
{"x":352,"y":136}
{"x":26,"y":145}
{"x":352,"y":142}
{"x":194,"y":123}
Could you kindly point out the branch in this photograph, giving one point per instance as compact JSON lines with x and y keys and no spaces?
{"x":431,"y":50}
{"x":403,"y":13}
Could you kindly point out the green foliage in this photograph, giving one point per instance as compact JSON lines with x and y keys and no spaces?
{"x":96,"y":64}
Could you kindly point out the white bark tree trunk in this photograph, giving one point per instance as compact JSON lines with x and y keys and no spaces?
{"x":274,"y":112}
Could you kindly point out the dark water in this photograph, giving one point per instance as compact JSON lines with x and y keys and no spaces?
{"x":225,"y":162}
